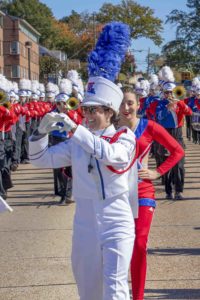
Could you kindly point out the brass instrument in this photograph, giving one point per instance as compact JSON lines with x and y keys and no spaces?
{"x":3,"y":100}
{"x":72,"y":103}
{"x":178,"y":92}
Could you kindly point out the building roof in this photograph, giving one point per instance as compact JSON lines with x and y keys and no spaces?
{"x":26,"y":24}
{"x":53,"y":53}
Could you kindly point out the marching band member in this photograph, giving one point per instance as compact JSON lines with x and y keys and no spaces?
{"x":103,"y":165}
{"x":196,"y":116}
{"x":146,"y":132}
{"x":7,"y":119}
{"x":189,"y":101}
{"x":142,"y":89}
{"x":26,"y":117}
{"x":170,"y":113}
{"x":62,"y":176}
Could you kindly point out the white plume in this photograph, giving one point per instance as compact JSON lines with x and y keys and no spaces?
{"x":41,"y":87}
{"x":23,"y":84}
{"x":144,"y":84}
{"x":65,"y":86}
{"x":73,"y":76}
{"x":15,"y":87}
{"x":153,"y":79}
{"x":195,"y":81}
{"x":167,"y":74}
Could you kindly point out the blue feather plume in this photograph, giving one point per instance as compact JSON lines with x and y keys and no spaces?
{"x":106,"y":59}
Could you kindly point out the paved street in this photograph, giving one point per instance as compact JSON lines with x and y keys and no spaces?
{"x":36,"y":240}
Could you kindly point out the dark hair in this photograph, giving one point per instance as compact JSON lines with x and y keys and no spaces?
{"x":128,"y":89}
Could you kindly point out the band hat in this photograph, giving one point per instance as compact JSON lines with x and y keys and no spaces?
{"x":62,"y":97}
{"x":42,"y":94}
{"x":29,"y":93}
{"x":104,"y":64}
{"x":34,"y":96}
{"x":197,"y":90}
{"x":12,"y":94}
{"x":50,"y":94}
{"x":22,"y":93}
{"x":141,"y":92}
{"x":169,"y":86}
{"x":101,"y":91}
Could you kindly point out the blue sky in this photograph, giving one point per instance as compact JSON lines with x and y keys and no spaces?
{"x":162,"y":8}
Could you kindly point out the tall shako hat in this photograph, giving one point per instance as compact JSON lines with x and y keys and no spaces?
{"x":65,"y":90}
{"x":168,"y":78}
{"x":153,"y":82}
{"x":51,"y":90}
{"x":142,"y":88}
{"x":195,"y":83}
{"x":35,"y":89}
{"x":77,"y":83}
{"x":104,"y":64}
{"x":42,"y":90}
{"x":23,"y":87}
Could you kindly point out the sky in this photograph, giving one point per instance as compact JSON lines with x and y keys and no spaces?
{"x":162,"y":8}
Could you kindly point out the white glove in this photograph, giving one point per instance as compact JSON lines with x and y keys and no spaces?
{"x":67,"y":122}
{"x":48,"y":123}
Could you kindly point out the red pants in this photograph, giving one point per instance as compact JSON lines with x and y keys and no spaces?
{"x":139,"y":258}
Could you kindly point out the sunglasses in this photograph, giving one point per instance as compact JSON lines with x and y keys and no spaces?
{"x":168,"y":92}
{"x":93,"y":109}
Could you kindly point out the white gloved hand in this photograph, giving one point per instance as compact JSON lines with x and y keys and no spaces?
{"x":48,"y":123}
{"x":67,"y":122}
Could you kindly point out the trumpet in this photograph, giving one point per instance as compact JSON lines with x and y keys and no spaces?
{"x":72,"y":103}
{"x":3,"y":100}
{"x":178,"y":92}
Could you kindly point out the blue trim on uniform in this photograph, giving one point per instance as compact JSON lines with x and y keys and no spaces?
{"x":39,"y":156}
{"x":101,"y":179}
{"x":147,"y":202}
{"x":191,"y":102}
{"x":141,"y":128}
{"x":39,"y":151}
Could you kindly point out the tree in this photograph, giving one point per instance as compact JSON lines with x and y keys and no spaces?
{"x":51,"y":67}
{"x":185,"y":50}
{"x":140,"y":18}
{"x":129,"y":66}
{"x":34,"y":12}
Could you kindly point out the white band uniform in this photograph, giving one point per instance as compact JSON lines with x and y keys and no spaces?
{"x":99,"y":225}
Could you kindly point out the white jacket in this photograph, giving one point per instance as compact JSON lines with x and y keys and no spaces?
{"x":83,"y":148}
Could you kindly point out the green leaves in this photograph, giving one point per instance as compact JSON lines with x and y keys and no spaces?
{"x":185,"y":50}
{"x":140,"y":18}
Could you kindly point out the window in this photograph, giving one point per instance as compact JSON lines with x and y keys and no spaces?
{"x":28,"y":33}
{"x":15,"y":71}
{"x":1,"y":21}
{"x":14,"y":48}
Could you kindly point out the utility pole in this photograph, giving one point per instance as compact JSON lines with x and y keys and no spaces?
{"x":148,"y":61}
{"x":94,"y":29}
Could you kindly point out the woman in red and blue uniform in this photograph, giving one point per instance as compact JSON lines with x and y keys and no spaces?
{"x":146,"y":131}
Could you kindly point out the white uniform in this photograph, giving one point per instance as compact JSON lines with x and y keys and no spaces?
{"x":103,"y":235}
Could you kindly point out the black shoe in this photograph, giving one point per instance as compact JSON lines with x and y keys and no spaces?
{"x":65,"y":199}
{"x":25,"y":162}
{"x":14,"y":167}
{"x":178,"y":196}
{"x":169,"y":196}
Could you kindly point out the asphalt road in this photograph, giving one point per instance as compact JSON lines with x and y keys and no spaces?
{"x":36,"y":240}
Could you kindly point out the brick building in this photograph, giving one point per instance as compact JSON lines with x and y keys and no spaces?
{"x":20,"y":49}
{"x":1,"y":43}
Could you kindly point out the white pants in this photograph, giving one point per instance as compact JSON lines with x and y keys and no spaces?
{"x":101,"y":266}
